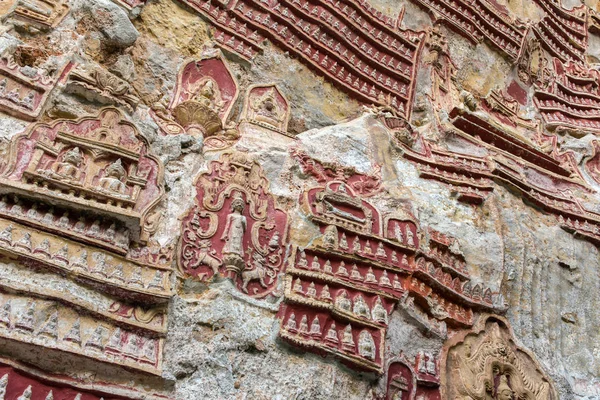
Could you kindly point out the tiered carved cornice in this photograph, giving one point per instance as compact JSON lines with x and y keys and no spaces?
{"x":347,"y":42}
{"x":562,"y":32}
{"x":100,"y":164}
{"x":480,"y":20}
{"x":20,"y":381}
{"x":341,"y":289}
{"x":570,"y":100}
{"x":79,"y":199}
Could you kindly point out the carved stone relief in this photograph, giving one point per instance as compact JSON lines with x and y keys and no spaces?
{"x":22,"y":95}
{"x":266,"y":106}
{"x":406,"y":380}
{"x":99,"y":163}
{"x":563,"y":32}
{"x":82,"y":202}
{"x":204,"y":96}
{"x":345,"y":286}
{"x":348,"y":282}
{"x":486,"y":363}
{"x":97,"y":84}
{"x":350,"y":43}
{"x":130,"y":4}
{"x":41,"y":14}
{"x":480,"y":20}
{"x":505,"y":148}
{"x":110,"y":273}
{"x":74,"y":197}
{"x":51,"y":324}
{"x":18,"y":381}
{"x":236,"y":228}
{"x":363,"y":184}
{"x":568,"y":100}
{"x":401,"y":381}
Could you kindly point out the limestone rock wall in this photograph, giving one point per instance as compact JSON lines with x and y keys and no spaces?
{"x":303,"y":199}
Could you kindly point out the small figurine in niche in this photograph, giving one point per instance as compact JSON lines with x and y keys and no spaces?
{"x":330,"y":238}
{"x":379,"y":313}
{"x":69,"y":168}
{"x":265,"y":109}
{"x":302,"y":262}
{"x":366,"y":345}
{"x":107,"y":131}
{"x":410,"y":240}
{"x":332,"y":335}
{"x":361,"y":308}
{"x":27,"y":101}
{"x":342,"y":301}
{"x":348,"y":340}
{"x":304,"y":324}
{"x":112,"y":181}
{"x":398,"y":233}
{"x":233,"y":235}
{"x":315,"y":327}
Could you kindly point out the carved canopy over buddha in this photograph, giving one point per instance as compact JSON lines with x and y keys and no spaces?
{"x":97,"y":163}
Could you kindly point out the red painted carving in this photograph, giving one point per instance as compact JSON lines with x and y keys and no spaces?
{"x":24,"y":96}
{"x":348,"y":42}
{"x":562,"y":32}
{"x":100,"y":163}
{"x":203,"y":99}
{"x":544,"y":176}
{"x":592,"y":164}
{"x":235,"y":229}
{"x":360,"y":267}
{"x":266,"y":107}
{"x":504,"y":148}
{"x":40,"y":14}
{"x":469,"y":177}
{"x":411,"y":381}
{"x":363,"y":184}
{"x":23,"y":382}
{"x":231,"y":32}
{"x":88,"y":188}
{"x":420,"y":313}
{"x":479,"y":20}
{"x":401,"y":381}
{"x":569,"y":99}
{"x":352,"y":277}
{"x":130,"y":4}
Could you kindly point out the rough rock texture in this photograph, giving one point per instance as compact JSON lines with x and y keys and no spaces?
{"x":223,"y":167}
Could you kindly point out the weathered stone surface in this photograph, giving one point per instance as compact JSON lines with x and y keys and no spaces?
{"x":112,"y":21}
{"x":299,"y":199}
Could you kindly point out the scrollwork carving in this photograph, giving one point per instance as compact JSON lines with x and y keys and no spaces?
{"x":235,"y":229}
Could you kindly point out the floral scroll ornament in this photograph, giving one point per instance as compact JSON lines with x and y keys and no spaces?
{"x":235,"y":229}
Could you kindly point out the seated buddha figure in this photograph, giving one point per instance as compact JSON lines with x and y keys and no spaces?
{"x":209,"y":95}
{"x":69,"y":167}
{"x":265,"y":109}
{"x":113,"y":178}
